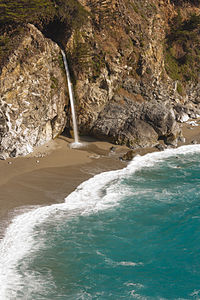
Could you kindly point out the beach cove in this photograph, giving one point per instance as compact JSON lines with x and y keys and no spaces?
{"x":54,"y":170}
{"x":51,"y":173}
{"x":46,"y":177}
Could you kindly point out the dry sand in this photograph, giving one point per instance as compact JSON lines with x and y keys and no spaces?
{"x":54,"y":170}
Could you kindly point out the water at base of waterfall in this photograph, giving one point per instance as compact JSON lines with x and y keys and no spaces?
{"x":126,"y":234}
{"x":77,"y":145}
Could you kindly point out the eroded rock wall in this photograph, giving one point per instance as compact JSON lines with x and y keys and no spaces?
{"x":134,"y":66}
{"x":121,"y":54}
{"x":32,"y":95}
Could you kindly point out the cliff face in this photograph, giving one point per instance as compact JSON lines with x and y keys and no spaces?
{"x":32,"y":95}
{"x":125,"y":60}
{"x":135,"y":68}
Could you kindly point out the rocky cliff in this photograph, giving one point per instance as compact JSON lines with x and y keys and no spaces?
{"x":32,"y":95}
{"x":137,"y":71}
{"x":135,"y":68}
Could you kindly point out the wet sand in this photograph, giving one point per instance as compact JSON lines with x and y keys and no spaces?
{"x":50,"y":173}
{"x":54,"y":170}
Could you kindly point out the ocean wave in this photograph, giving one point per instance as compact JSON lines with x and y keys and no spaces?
{"x":101,"y":192}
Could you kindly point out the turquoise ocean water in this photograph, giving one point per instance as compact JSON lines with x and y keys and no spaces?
{"x":127,"y":234}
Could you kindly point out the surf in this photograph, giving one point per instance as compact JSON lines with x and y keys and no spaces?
{"x":99,"y":193}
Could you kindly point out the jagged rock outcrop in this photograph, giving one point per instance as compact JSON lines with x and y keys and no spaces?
{"x":126,"y":87}
{"x":32,"y":95}
{"x":134,"y":64}
{"x":125,"y":121}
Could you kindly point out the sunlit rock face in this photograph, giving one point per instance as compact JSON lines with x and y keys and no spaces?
{"x":32,"y":95}
{"x":126,"y":62}
{"x":134,"y":66}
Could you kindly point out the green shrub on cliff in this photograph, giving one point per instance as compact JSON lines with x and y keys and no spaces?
{"x":36,"y":11}
{"x":51,"y":16}
{"x":182,"y":55}
{"x":21,"y":11}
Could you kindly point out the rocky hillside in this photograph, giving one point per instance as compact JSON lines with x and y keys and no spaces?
{"x":135,"y":68}
{"x":138,"y":69}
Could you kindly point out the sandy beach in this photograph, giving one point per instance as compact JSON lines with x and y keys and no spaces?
{"x":54,"y":170}
{"x":50,"y":173}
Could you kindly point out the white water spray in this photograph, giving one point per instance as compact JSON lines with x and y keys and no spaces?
{"x":76,"y":143}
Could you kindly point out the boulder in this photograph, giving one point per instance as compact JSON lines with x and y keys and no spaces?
{"x":134,"y":124}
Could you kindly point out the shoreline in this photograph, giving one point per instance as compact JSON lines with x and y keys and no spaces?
{"x":49,"y":174}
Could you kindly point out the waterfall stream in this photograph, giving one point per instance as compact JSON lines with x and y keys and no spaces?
{"x":71,"y":97}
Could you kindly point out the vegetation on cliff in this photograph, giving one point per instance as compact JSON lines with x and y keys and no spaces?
{"x":181,"y":2}
{"x":53,"y":17}
{"x":182,"y":57}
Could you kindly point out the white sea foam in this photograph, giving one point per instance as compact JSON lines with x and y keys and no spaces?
{"x":134,"y":295}
{"x":195,"y":293}
{"x":136,"y":285}
{"x":109,"y":261}
{"x":98,"y":193}
{"x":129,"y":264}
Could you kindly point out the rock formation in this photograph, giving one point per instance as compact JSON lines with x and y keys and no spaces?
{"x":125,"y":84}
{"x":32,"y":95}
{"x":135,"y":68}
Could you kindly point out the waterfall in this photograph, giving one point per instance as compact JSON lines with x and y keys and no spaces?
{"x":71,"y":97}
